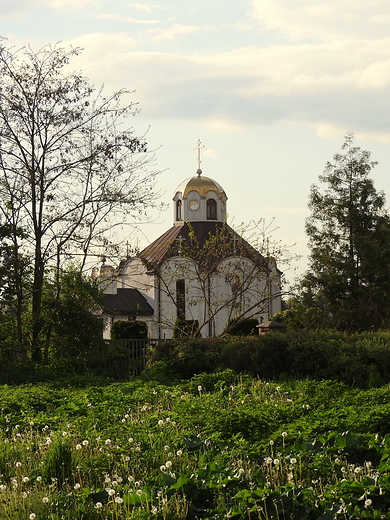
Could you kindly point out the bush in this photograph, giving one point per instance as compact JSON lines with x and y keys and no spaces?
{"x":186,"y":329}
{"x":129,"y":330}
{"x":243,"y":328}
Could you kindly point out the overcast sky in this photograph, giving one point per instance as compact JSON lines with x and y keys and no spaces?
{"x":269,"y":86}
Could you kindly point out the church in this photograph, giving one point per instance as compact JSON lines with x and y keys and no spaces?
{"x":197,"y":278}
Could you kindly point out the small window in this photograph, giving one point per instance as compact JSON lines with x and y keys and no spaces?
{"x":211,"y":209}
{"x":181,"y":299}
{"x":178,"y":210}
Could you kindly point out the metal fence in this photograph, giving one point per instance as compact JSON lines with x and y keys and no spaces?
{"x":131,"y":353}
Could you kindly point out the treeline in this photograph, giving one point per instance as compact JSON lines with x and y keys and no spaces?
{"x":360,"y":360}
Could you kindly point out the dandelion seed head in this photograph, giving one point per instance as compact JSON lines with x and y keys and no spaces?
{"x":98,"y":505}
{"x":19,"y":465}
{"x":368,"y":502}
{"x":77,"y":486}
{"x":139,"y":492}
{"x":85,"y":442}
{"x":284,"y":434}
{"x":45,"y":500}
{"x":107,"y":442}
{"x":179,"y":453}
{"x":119,"y":500}
{"x":78,"y":446}
{"x":168,"y":464}
{"x":32,"y":516}
{"x":293,"y":460}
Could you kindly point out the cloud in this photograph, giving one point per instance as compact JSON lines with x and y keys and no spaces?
{"x":149,"y":8}
{"x":127,"y":19}
{"x":174,"y":31}
{"x":332,"y":87}
{"x":335,"y":19}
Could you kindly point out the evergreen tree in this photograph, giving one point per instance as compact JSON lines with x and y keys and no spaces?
{"x":349,"y":238}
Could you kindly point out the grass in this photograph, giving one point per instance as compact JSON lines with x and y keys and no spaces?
{"x":217,"y":446}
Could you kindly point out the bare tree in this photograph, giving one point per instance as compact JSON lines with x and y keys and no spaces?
{"x":70,"y":168}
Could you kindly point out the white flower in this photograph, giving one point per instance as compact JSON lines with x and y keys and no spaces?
{"x":271,"y":443}
{"x":276,"y":462}
{"x":77,"y":486}
{"x":293,"y":460}
{"x":78,"y":446}
{"x":39,"y":479}
{"x":179,"y":453}
{"x":163,"y":468}
{"x":241,"y":471}
{"x":98,"y":505}
{"x":139,"y":492}
{"x":32,"y":516}
{"x":111,"y":492}
{"x":85,"y":442}
{"x":131,"y":438}
{"x":45,"y":500}
{"x":107,"y":443}
{"x":18,"y":465}
{"x":199,"y":388}
{"x":25,"y":479}
{"x":268,"y":460}
{"x":161,"y":422}
{"x":284,"y":434}
{"x":64,"y":434}
{"x":368,"y":502}
{"x":118,"y":500}
{"x":168,"y":464}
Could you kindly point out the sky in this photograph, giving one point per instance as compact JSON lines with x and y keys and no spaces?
{"x":270,"y":87}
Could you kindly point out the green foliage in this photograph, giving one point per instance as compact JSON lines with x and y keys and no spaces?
{"x":129,"y":329}
{"x":349,"y":239}
{"x":73,"y":328}
{"x":58,"y":464}
{"x":360,"y":359}
{"x":217,"y":446}
{"x":186,"y":329}
{"x":245,"y":327}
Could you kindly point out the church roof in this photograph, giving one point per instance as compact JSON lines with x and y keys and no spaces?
{"x":128,"y":302}
{"x":169,"y":243}
{"x":200,"y":184}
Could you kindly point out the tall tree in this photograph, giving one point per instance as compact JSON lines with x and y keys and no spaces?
{"x":349,"y":238}
{"x":70,"y":168}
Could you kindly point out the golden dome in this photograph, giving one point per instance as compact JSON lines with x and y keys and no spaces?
{"x":200,"y":184}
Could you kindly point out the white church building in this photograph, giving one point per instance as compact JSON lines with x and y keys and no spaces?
{"x":199,"y":272}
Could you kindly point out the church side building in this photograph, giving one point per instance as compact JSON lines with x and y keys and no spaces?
{"x":200,"y":271}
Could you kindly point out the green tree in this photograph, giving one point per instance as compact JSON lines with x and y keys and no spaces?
{"x":70,"y":168}
{"x":349,"y":239}
{"x":71,"y":310}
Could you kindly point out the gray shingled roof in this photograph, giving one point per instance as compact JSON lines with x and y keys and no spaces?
{"x":128,"y":302}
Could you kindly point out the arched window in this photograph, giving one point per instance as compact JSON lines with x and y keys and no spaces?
{"x":181,"y":299}
{"x":211,"y":209}
{"x":178,"y":210}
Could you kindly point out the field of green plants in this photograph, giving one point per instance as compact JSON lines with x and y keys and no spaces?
{"x":217,"y":446}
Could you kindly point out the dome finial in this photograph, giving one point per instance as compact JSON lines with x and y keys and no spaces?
{"x":199,"y":147}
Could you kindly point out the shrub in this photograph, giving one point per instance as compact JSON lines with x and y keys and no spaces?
{"x":186,"y":329}
{"x":245,"y":327}
{"x":129,"y":330}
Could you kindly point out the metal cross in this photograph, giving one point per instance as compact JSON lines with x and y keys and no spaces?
{"x":180,"y":239}
{"x":234,"y":239}
{"x":199,"y":147}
